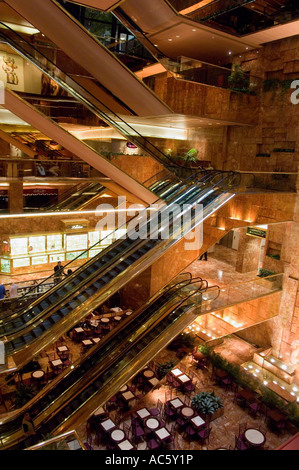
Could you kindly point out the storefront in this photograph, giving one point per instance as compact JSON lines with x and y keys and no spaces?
{"x":33,"y":253}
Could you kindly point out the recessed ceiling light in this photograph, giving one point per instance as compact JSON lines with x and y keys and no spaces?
{"x":194,"y":29}
{"x":247,"y":48}
{"x":169,"y":39}
{"x":229,"y":53}
{"x":177,"y":36}
{"x":156,"y":45}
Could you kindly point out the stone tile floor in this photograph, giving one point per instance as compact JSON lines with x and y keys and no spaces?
{"x":223,"y":429}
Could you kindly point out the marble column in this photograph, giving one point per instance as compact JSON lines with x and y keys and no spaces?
{"x":286,"y":335}
{"x":15,"y":197}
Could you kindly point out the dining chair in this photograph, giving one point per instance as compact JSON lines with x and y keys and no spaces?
{"x":204,"y":434}
{"x":240,"y":444}
{"x":156,"y":410}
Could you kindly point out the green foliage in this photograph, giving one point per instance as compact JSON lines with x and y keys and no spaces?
{"x":270,"y":398}
{"x":183,"y":340}
{"x":238,"y":81}
{"x":271,"y":84}
{"x":265,"y":272}
{"x":206,"y":403}
{"x":164,"y":368}
{"x":24,"y":394}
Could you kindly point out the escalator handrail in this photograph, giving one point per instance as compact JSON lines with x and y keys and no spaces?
{"x":34,"y":60}
{"x":109,"y":247}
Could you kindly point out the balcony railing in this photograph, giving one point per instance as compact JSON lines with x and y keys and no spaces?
{"x":213,"y":75}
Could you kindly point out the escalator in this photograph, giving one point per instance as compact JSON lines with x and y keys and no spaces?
{"x":74,"y":200}
{"x":34,"y":109}
{"x":67,"y":33}
{"x":67,"y":400}
{"x":28,"y":331}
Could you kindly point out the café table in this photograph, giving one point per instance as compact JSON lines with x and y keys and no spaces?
{"x":128,"y":313}
{"x":125,"y":445}
{"x":117,"y":435}
{"x":154,"y":381}
{"x":87,"y":342}
{"x":79,"y":330}
{"x":95,"y":340}
{"x":162,"y":433}
{"x":197,"y":421}
{"x":56,"y":363}
{"x":148,"y":373}
{"x":117,"y":318}
{"x":94,"y":323}
{"x":128,"y":395}
{"x":176,"y":372}
{"x":183,"y":378}
{"x":62,"y":349}
{"x":187,"y":412}
{"x":254,"y":437}
{"x":276,"y":415}
{"x":152,"y":423}
{"x":176,"y":403}
{"x":107,"y":424}
{"x":105,"y":320}
{"x":247,"y":394}
{"x":38,"y":374}
{"x":143,"y":413}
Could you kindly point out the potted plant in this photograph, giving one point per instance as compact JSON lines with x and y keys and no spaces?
{"x":164,"y":367}
{"x":208,"y":405}
{"x":24,"y":394}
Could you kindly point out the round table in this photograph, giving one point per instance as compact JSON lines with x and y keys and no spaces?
{"x":117,"y":435}
{"x":254,"y":437}
{"x":124,"y":388}
{"x":187,"y":412}
{"x":105,"y":320}
{"x":152,"y":423}
{"x":148,"y":373}
{"x":38,"y":374}
{"x":117,"y":318}
{"x":128,"y":313}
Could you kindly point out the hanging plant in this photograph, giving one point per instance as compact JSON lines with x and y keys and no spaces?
{"x":271,"y":84}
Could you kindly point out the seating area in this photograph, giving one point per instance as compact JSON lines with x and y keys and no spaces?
{"x":62,"y":353}
{"x":162,"y":416}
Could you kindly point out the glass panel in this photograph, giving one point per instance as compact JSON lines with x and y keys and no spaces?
{"x":19,"y":246}
{"x":57,"y":257}
{"x":5,"y":265}
{"x":93,"y":237}
{"x":21,"y":262}
{"x":76,"y":242}
{"x":71,"y":256}
{"x":54,"y":242}
{"x":39,"y":260}
{"x":94,"y":253}
{"x":37,"y":244}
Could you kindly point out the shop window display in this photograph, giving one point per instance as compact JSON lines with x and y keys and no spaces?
{"x":37,"y":244}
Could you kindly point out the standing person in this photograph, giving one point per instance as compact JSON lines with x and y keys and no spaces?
{"x":2,"y":291}
{"x":58,"y":272}
{"x":204,"y":256}
{"x":28,"y":429}
{"x":13,"y":291}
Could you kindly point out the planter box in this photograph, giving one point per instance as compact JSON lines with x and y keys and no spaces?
{"x":215,"y":415}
